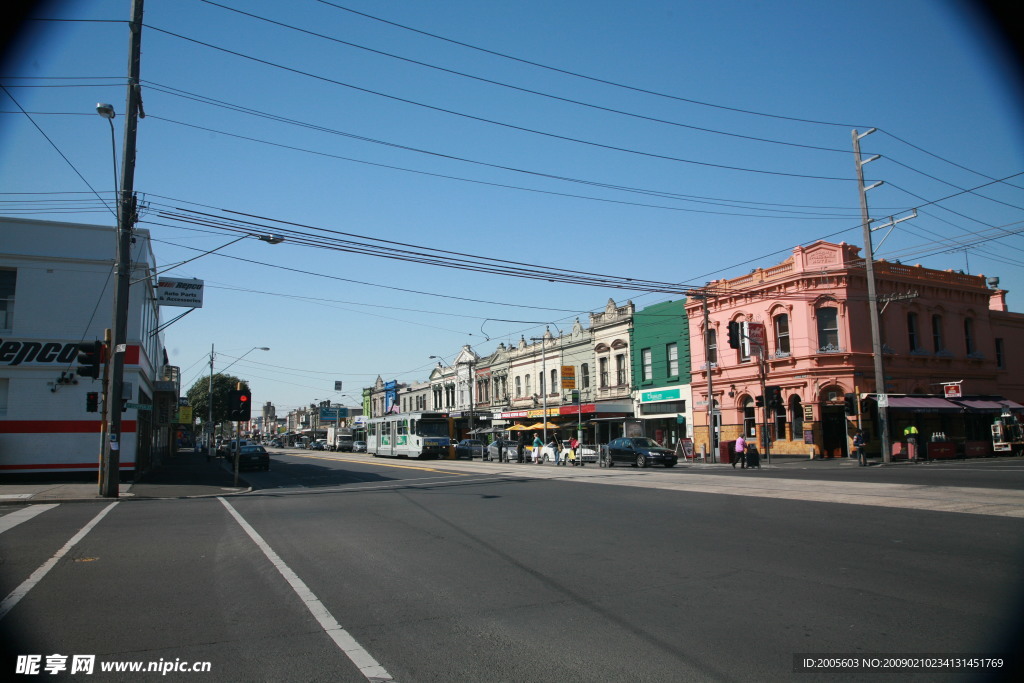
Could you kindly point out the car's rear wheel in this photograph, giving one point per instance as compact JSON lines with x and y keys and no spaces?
{"x":641,"y":461}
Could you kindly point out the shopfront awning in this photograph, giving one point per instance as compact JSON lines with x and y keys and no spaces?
{"x":923,"y":404}
{"x":989,"y":404}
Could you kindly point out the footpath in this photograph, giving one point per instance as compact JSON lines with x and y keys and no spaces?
{"x":189,"y":474}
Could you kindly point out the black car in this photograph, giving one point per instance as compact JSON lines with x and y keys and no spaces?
{"x":254,"y":457}
{"x":640,"y":451}
{"x":469,"y":448}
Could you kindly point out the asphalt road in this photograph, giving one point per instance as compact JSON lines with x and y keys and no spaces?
{"x":445,"y":572}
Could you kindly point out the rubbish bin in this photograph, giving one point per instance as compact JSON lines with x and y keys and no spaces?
{"x":726,"y":451}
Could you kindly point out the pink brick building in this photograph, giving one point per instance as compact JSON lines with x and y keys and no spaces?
{"x":937,"y":327}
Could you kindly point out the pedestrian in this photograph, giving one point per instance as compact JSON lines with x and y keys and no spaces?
{"x":556,"y":446}
{"x":519,"y":449}
{"x":858,"y":445}
{"x":740,"y":453}
{"x":501,"y":450}
{"x":573,"y":445}
{"x":537,"y":446}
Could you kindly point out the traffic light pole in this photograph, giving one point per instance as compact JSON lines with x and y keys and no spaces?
{"x":110,"y":469}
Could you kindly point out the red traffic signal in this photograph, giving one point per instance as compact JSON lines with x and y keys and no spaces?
{"x":239,"y":405}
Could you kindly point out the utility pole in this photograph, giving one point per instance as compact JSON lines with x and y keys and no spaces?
{"x":110,"y":470}
{"x":208,"y":427}
{"x":712,"y":436}
{"x":869,"y":258}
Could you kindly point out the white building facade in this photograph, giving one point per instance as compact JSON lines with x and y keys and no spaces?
{"x":56,"y":291}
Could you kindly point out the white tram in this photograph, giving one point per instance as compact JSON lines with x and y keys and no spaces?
{"x":409,"y":435}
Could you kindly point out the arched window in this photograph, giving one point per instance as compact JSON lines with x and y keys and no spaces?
{"x":969,"y":335}
{"x":796,"y":417}
{"x":749,"y":419}
{"x":519,"y":386}
{"x":585,"y":376}
{"x":937,"y":341}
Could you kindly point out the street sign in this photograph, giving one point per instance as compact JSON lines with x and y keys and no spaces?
{"x":138,"y":406}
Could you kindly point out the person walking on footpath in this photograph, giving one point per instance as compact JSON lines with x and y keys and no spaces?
{"x":740,"y":453}
{"x":858,"y":445}
{"x":537,"y":446}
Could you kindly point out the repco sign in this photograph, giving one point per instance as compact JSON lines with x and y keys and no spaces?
{"x":14,"y":352}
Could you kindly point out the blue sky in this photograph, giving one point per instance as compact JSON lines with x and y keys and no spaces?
{"x":676,"y":142}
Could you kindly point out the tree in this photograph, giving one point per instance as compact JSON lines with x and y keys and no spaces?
{"x":198,"y":396}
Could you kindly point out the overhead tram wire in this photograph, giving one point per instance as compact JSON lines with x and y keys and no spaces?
{"x":500,"y":185}
{"x":493,"y":122}
{"x":521,"y":89}
{"x":590,"y":78}
{"x":184,"y":94}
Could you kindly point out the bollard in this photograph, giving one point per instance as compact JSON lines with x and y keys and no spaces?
{"x":812,"y":454}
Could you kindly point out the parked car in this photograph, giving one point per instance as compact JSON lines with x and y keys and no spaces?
{"x":508,"y":446}
{"x":358,"y":446}
{"x":640,"y":451}
{"x":345,"y":443}
{"x":254,"y":457}
{"x":318,"y":445}
{"x":469,"y":448}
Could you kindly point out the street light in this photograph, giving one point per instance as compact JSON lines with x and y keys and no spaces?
{"x":543,"y":377}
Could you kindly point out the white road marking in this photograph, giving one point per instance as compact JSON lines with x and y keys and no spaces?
{"x":28,"y":584}
{"x":15,"y":518}
{"x":366,"y":664}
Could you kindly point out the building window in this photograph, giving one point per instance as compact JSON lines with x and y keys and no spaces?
{"x":969,"y":335}
{"x":712,"y":342}
{"x":937,"y":333}
{"x":519,"y":386}
{"x":782,"y":335}
{"x":620,"y":369}
{"x":554,"y":381}
{"x":1000,"y":358}
{"x":540,"y":383}
{"x":602,"y":369}
{"x":526,"y":382}
{"x":828,"y":329}
{"x":749,"y":420}
{"x":585,"y":376}
{"x":672,"y":351}
{"x":913,"y":333}
{"x":796,"y":417}
{"x":8,"y":280}
{"x":647,"y":372}
{"x":780,"y":421}
{"x":744,"y":342}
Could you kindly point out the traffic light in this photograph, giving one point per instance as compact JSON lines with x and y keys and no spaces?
{"x":239,"y":405}
{"x":850,"y":404}
{"x":734,"y":334}
{"x":92,"y":402}
{"x":91,"y":355}
{"x":759,"y":401}
{"x":773,"y":398}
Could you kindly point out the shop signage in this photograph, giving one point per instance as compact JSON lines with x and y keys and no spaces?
{"x":756,"y":334}
{"x":661,"y":395}
{"x":808,"y":414}
{"x":568,"y":377}
{"x":952,"y":391}
{"x":175,"y":292}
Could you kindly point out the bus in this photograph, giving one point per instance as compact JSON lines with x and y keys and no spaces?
{"x":408,"y":435}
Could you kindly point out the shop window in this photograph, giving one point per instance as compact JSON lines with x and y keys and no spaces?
{"x":672,"y":353}
{"x":780,"y":422}
{"x":828,"y":329}
{"x":782,"y":335}
{"x":749,"y":420}
{"x":647,"y":370}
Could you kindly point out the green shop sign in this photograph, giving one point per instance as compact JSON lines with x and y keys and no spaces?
{"x":663,"y":395}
